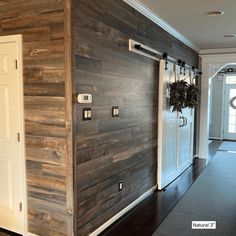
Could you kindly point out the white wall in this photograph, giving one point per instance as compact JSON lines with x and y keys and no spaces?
{"x":209,"y":62}
{"x":216,"y":107}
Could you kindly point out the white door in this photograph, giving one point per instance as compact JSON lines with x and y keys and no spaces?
{"x":229,"y":128}
{"x":175,"y":130}
{"x":11,"y":151}
{"x":167,"y":129}
{"x":186,"y":133}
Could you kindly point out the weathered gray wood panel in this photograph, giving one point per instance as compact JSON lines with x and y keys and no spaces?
{"x":47,"y":116}
{"x":109,"y":149}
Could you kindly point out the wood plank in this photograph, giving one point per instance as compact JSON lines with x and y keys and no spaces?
{"x":109,"y":149}
{"x":71,"y":195}
{"x":44,"y":26}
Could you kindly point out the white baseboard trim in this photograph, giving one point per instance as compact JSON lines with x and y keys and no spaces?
{"x":215,"y":138}
{"x":30,"y":234}
{"x":123,"y":212}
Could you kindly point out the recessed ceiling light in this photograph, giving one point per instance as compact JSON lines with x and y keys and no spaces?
{"x":230,"y":35}
{"x":214,"y":13}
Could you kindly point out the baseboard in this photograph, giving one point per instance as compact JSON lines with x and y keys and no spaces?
{"x":30,"y":234}
{"x":215,"y":138}
{"x":123,"y":212}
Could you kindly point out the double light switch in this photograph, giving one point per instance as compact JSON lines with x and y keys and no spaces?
{"x":115,"y":111}
{"x":87,"y":113}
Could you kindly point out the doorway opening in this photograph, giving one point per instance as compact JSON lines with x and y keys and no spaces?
{"x":212,"y":64}
{"x":222,"y":105}
{"x":12,"y":148}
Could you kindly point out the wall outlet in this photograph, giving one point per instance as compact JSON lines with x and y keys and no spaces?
{"x":121,"y":185}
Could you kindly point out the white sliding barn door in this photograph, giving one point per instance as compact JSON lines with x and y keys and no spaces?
{"x":185,"y":139}
{"x":167,"y":129}
{"x":175,"y":130}
{"x":11,"y":150}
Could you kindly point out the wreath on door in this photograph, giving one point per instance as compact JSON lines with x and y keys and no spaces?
{"x":183,"y":95}
{"x":178,"y":91}
{"x":232,"y":102}
{"x":192,"y":96}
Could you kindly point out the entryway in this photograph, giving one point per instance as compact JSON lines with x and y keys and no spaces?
{"x":12,"y":160}
{"x":212,"y":63}
{"x":210,"y":198}
{"x":222,"y":109}
{"x":229,"y":124}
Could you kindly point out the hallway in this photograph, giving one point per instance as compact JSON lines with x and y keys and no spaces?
{"x":210,"y":198}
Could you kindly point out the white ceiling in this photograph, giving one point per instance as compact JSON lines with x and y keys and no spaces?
{"x":188,"y":18}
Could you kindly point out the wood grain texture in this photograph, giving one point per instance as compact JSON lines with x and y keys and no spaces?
{"x":106,"y":149}
{"x":70,"y":194}
{"x":109,"y":149}
{"x":47,"y":93}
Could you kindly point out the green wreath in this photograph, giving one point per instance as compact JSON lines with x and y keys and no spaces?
{"x":192,"y":96}
{"x":178,"y":91}
{"x":183,"y":95}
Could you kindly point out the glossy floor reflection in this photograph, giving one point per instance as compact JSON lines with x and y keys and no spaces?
{"x":145,"y":218}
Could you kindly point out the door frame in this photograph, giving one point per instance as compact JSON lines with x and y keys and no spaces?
{"x":224,"y":103}
{"x":18,"y":39}
{"x":209,"y":62}
{"x":211,"y":102}
{"x":223,"y":109}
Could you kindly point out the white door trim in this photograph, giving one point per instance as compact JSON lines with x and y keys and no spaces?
{"x":19,"y":42}
{"x":225,"y":120}
{"x":223,"y":109}
{"x":209,"y":62}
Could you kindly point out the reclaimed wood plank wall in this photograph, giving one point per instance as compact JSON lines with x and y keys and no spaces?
{"x":109,"y":149}
{"x":44,"y":25}
{"x":106,"y":149}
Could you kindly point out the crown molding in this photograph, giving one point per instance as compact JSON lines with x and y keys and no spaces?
{"x":160,"y":22}
{"x":217,"y":51}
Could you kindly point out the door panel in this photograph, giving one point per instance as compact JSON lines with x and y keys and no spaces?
{"x":6,"y":197}
{"x":3,"y":64}
{"x":168,"y":128}
{"x":186,"y":133}
{"x":4,"y":115}
{"x":229,"y":128}
{"x":185,"y":145}
{"x":11,"y":157}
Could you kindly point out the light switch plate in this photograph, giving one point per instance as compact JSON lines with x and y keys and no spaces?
{"x":115,"y":111}
{"x":87,"y":113}
{"x":121,"y":185}
{"x":84,"y":98}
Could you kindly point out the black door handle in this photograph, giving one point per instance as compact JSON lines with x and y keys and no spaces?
{"x":181,"y":117}
{"x":185,"y":121}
